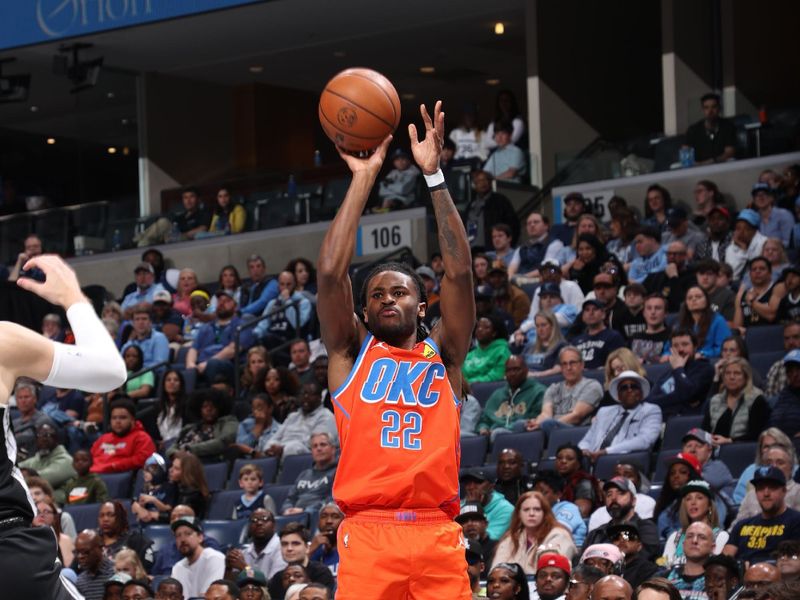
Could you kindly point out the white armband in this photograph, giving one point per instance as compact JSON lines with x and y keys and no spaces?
{"x":93,"y":364}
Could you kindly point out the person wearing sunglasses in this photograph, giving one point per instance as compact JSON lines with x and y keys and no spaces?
{"x":263,"y":552}
{"x":787,"y":559}
{"x":636,"y":567}
{"x":581,"y":582}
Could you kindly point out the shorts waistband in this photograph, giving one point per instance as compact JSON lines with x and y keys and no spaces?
{"x":409,"y":516}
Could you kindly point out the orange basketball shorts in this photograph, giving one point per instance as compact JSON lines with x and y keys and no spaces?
{"x":400,"y":555}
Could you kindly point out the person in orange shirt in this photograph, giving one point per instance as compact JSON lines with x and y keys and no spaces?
{"x":393,"y":394}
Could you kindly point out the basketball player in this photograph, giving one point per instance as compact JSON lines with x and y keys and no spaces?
{"x":395,"y":402}
{"x":29,"y":567}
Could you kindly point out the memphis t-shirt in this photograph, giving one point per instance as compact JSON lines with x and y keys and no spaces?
{"x":757,"y":538}
{"x":596,"y":348}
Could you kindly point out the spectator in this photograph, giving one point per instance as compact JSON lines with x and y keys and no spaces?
{"x":676,"y":279}
{"x":228,"y":216}
{"x":597,"y":341}
{"x":633,"y":425}
{"x":172,"y":405}
{"x":590,"y":256}
{"x":252,"y":584}
{"x":502,"y":248}
{"x":776,"y":376}
{"x":255,"y":430}
{"x":689,"y":576}
{"x":208,"y":438}
{"x":581,"y":583}
{"x":679,"y":229}
{"x":684,"y":388}
{"x":294,"y":550}
{"x":784,"y":460}
{"x":467,"y":136}
{"x":124,"y":448}
{"x":568,"y":403}
{"x":722,"y":576}
{"x":699,"y":443}
{"x":52,"y":328}
{"x":187,"y":285}
{"x":257,"y":358}
{"x":681,"y":469}
{"x":788,"y":559}
{"x":145,"y":291}
{"x":84,"y":487}
{"x":632,"y":320}
{"x":315,"y":591}
{"x":32,"y":247}
{"x":169,"y":555}
{"x":184,"y":225}
{"x":606,"y":290}
{"x":759,"y":576}
{"x":487,"y":209}
{"x":517,"y":400}
{"x":431,"y":284}
{"x":283,"y":387}
{"x":648,"y":346}
{"x":251,"y":482}
{"x":287,"y":315}
{"x":323,"y":546}
{"x":153,"y":344}
{"x":713,"y":138}
{"x":635,"y":568}
{"x":540,"y":246}
{"x":710,"y":328}
{"x":652,"y":257}
{"x":786,"y":410}
{"x":166,"y":319}
{"x":263,"y":552}
{"x":511,"y":481}
{"x":606,"y":558}
{"x":155,"y":258}
{"x":766,"y":440}
{"x":550,"y":272}
{"x":305,"y":277}
{"x":480,"y":268}
{"x":213,"y":349}
{"x":697,"y":505}
{"x":587,"y":224}
{"x":541,"y":357}
{"x":756,"y":538}
{"x":485,"y":361}
{"x":507,"y":296}
{"x":476,"y":565}
{"x":480,"y":490}
{"x":399,"y":188}
{"x":47,"y":515}
{"x":789,"y":308}
{"x":719,"y":237}
{"x":314,"y":486}
{"x":112,"y":527}
{"x":721,"y":297}
{"x":127,"y":561}
{"x":95,"y":568}
{"x":747,"y":242}
{"x":775,"y":253}
{"x":52,"y":461}
{"x":471,"y":411}
{"x":200,"y":566}
{"x":143,"y":385}
{"x":644,"y":502}
{"x":658,"y":202}
{"x":775,"y":222}
{"x":507,"y":582}
{"x":197,"y":318}
{"x":739,"y":412}
{"x":575,"y":205}
{"x":706,"y":198}
{"x":294,"y":434}
{"x":759,"y":304}
{"x":222,"y":589}
{"x":485,"y":307}
{"x":580,"y":486}
{"x":623,"y":231}
{"x":506,"y":109}
{"x":474,"y":526}
{"x":533,"y":527}
{"x":507,"y":161}
{"x":551,"y":485}
{"x":230,"y":281}
{"x":262,"y":289}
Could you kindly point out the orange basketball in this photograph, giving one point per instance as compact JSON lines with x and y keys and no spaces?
{"x":358,"y":108}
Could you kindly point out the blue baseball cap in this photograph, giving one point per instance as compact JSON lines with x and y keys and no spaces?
{"x":766,"y":473}
{"x":792,"y":357}
{"x":762,"y":187}
{"x":749,"y":216}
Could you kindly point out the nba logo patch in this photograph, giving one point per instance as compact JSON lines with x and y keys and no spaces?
{"x":428,"y":351}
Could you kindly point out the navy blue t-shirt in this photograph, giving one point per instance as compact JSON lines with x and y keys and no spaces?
{"x":757,"y":538}
{"x":596,"y":348}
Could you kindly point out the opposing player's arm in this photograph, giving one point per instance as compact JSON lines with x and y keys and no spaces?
{"x":453,"y":332}
{"x":340,"y":327}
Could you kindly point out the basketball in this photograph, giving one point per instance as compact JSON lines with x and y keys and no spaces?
{"x":358,"y":108}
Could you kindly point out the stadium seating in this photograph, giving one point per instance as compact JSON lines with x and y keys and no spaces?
{"x":269,"y":466}
{"x":473,"y":450}
{"x":738,"y":456}
{"x":559,"y":437}
{"x":660,"y":473}
{"x":222,"y":504}
{"x":282,"y":521}
{"x":227,"y":533}
{"x":529,"y":444}
{"x":676,"y":428}
{"x":216,"y":475}
{"x":762,"y":361}
{"x":483,"y":389}
{"x":84,"y":515}
{"x":763,"y":339}
{"x":293,"y":466}
{"x":118,"y":484}
{"x":604,"y":467}
{"x":278,"y":493}
{"x":161,"y":535}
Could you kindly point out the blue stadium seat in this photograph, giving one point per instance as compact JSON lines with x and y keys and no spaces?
{"x":661,"y":465}
{"x":550,"y":379}
{"x":654,"y":372}
{"x":559,"y":437}
{"x":473,"y":450}
{"x":604,"y":467}
{"x":138,"y":484}
{"x":596,"y":374}
{"x":227,"y":533}
{"x":546,"y":464}
{"x":293,"y":466}
{"x":761,"y":362}
{"x":160,"y":534}
{"x":282,"y":521}
{"x":216,"y":475}
{"x":222,"y":504}
{"x":675,"y":430}
{"x":529,"y":443}
{"x":268,"y":465}
{"x":278,"y":493}
{"x":84,"y":515}
{"x":767,"y":338}
{"x":483,"y":389}
{"x":738,"y":456}
{"x":118,"y":484}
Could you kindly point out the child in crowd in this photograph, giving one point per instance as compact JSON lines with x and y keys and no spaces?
{"x":251,"y":481}
{"x":157,"y":496}
{"x":633,"y":318}
{"x":86,"y":488}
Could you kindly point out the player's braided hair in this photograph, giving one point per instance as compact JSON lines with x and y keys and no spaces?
{"x":422,"y":330}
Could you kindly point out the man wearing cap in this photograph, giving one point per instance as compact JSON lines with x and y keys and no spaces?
{"x":169,"y":555}
{"x":786,"y":411}
{"x":552,"y":576}
{"x":507,"y":161}
{"x":213,"y":349}
{"x":630,"y":426}
{"x":516,"y":401}
{"x":756,"y":538}
{"x":144,"y":274}
{"x":603,"y":557}
{"x":713,"y":138}
{"x":719,"y":235}
{"x":598,"y":341}
{"x":606,"y":291}
{"x":113,"y":587}
{"x":540,"y":246}
{"x":574,"y":207}
{"x":645,"y":504}
{"x":721,"y":297}
{"x":636,"y":568}
{"x":251,"y":580}
{"x":153,"y":344}
{"x":783,"y":459}
{"x":620,"y":499}
{"x":699,"y":443}
{"x":789,"y":308}
{"x":474,"y":525}
{"x":775,"y":222}
{"x":722,"y":576}
{"x":632,"y":321}
{"x":399,"y":188}
{"x":550,"y":272}
{"x":479,"y":487}
{"x":678,"y":277}
{"x":698,"y":546}
{"x":200,"y":566}
{"x":508,"y":296}
{"x":476,"y":566}
{"x":651,"y":255}
{"x":486,"y":209}
{"x":166,"y":319}
{"x":680,"y":229}
{"x":747,"y":242}
{"x":431,"y":283}
{"x":582,"y":581}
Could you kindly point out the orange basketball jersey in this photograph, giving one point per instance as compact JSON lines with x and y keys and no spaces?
{"x":398,"y":422}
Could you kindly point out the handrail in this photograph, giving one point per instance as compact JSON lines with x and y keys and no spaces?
{"x":250,"y":324}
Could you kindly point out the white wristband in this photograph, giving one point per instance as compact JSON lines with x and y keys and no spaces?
{"x":435,"y":179}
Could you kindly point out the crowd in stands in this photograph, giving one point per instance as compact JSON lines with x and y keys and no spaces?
{"x":617,"y":392}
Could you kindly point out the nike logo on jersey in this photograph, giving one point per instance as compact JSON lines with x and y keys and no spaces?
{"x":406,"y":382}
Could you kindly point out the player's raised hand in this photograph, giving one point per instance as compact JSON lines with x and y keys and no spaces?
{"x":61,"y":284}
{"x":427,"y":151}
{"x":371,"y":163}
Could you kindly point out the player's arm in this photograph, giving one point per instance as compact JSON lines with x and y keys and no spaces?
{"x":93,"y":364}
{"x":453,"y":332}
{"x":340,"y":327}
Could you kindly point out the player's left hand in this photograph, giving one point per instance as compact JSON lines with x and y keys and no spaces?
{"x":427,"y":152}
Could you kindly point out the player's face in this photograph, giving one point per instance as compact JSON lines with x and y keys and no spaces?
{"x":393,"y":307}
{"x":293,"y":548}
{"x":501,"y":585}
{"x":121,"y":421}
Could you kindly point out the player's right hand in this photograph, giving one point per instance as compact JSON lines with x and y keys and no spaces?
{"x":61,"y":284}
